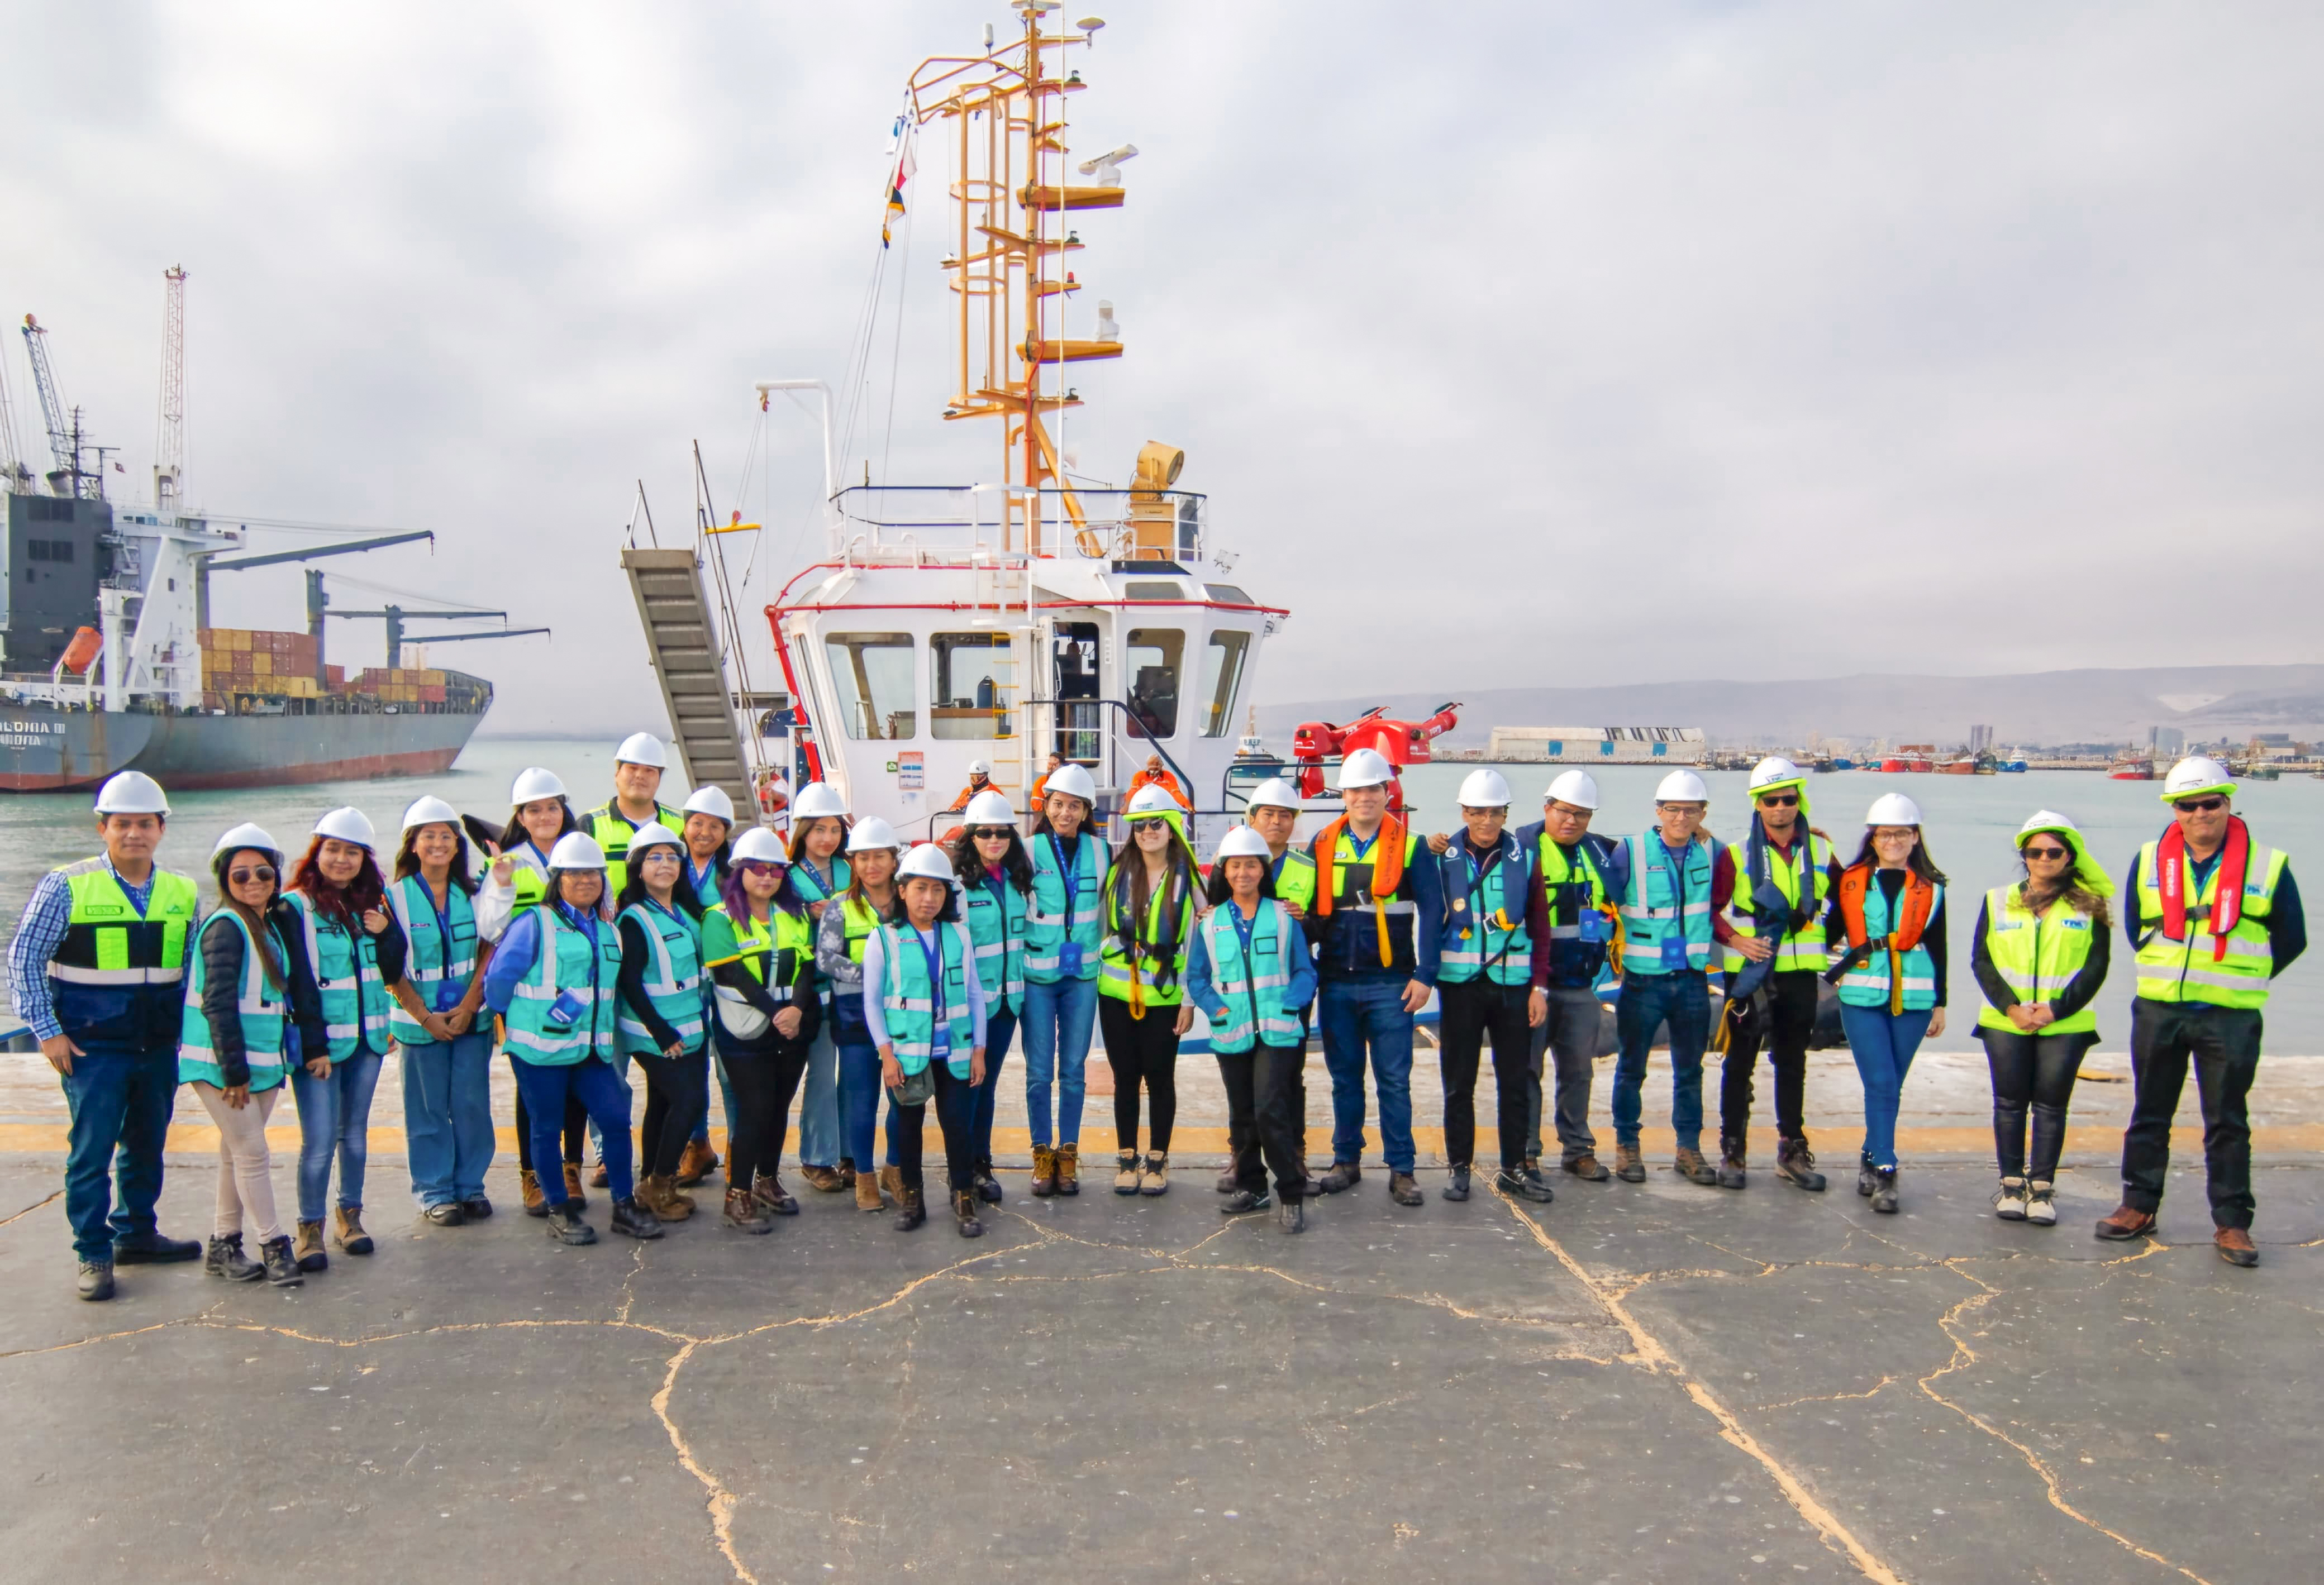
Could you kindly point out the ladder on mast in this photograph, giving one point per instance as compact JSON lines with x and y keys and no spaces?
{"x":682,"y":642}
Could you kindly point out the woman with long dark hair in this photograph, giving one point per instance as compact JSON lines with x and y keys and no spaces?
{"x":709,"y":848}
{"x":996,"y":879}
{"x":2039,"y":958}
{"x":925,"y":1007}
{"x":1061,"y":967}
{"x":818,"y":874}
{"x":841,"y":938}
{"x":540,"y":817}
{"x":448,"y":1059}
{"x":1148,"y":911}
{"x":250,"y":1007}
{"x":758,"y":948}
{"x":1887,"y":929}
{"x":660,"y":1017}
{"x":357,"y":951}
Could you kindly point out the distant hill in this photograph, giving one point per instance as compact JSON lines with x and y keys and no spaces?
{"x":2091,"y":705}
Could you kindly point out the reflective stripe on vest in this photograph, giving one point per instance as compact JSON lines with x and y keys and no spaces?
{"x":1483,"y":933}
{"x":1654,"y":910}
{"x":1803,"y":948}
{"x":106,"y":942}
{"x":809,"y":886}
{"x":2186,"y":970}
{"x":564,"y":963}
{"x":908,"y":1001}
{"x":1256,"y":1004}
{"x":613,"y":832}
{"x":260,"y":1007}
{"x":673,"y":980}
{"x":778,"y":953}
{"x":1047,"y":928}
{"x":347,"y":972}
{"x":424,"y":962}
{"x":1155,"y":983}
{"x":1866,"y":984}
{"x":2038,"y":954}
{"x":1352,"y":876}
{"x":1556,"y":872}
{"x":997,"y":927}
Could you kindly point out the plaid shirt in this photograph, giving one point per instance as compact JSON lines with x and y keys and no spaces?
{"x":38,"y":937}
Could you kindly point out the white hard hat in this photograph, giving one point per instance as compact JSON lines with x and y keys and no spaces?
{"x":871,"y":832}
{"x":2197,"y":773}
{"x":641,"y":748}
{"x":1243,"y":843}
{"x":653,"y":834}
{"x":1365,"y":767}
{"x":1275,"y":793}
{"x":1774,"y":771}
{"x":1073,"y":782}
{"x":532,"y":783}
{"x":761,"y":846}
{"x":430,"y":811}
{"x":1681,"y":786}
{"x":979,"y":767}
{"x":246,"y":836}
{"x":1893,"y":809}
{"x":989,"y":808}
{"x":1152,"y":801}
{"x":1484,"y":789}
{"x":1577,"y":787}
{"x":712,"y":801}
{"x":577,"y":850}
{"x":927,"y":861}
{"x":349,"y":825}
{"x":818,"y":800}
{"x":131,"y":792}
{"x":2049,"y":820}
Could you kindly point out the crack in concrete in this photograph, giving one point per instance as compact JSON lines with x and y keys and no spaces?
{"x":1823,"y":1397}
{"x":27,"y":1209}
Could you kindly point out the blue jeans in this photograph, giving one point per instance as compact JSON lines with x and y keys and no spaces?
{"x":120,"y":1099}
{"x":859,"y":1100}
{"x":596,"y":1129}
{"x":602,"y":1093}
{"x":447,"y":1117}
{"x":1357,"y":1014}
{"x":1056,"y":1021}
{"x":1000,"y":1026}
{"x":818,"y":1135}
{"x":335,"y":1118}
{"x":1883,"y":1044}
{"x":726,"y":1094}
{"x":1684,"y":999}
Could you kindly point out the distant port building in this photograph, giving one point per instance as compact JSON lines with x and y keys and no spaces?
{"x":1596,"y":745}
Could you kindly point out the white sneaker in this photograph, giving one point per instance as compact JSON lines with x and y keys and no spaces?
{"x":2041,"y":1207}
{"x":2009,"y":1201}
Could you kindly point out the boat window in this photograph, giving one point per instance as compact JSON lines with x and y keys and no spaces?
{"x":1154,"y":654}
{"x":1228,"y":594}
{"x":872,"y":673}
{"x":1153,"y":590}
{"x":1221,"y":676}
{"x":966,"y":674}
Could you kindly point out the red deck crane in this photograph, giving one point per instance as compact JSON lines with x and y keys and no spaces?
{"x":1399,"y":742}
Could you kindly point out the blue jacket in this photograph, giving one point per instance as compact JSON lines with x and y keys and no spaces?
{"x":1575,"y":965}
{"x":1348,"y":948}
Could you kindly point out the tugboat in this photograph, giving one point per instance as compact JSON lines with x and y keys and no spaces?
{"x":2132,"y":767}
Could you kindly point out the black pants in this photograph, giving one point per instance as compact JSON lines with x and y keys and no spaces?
{"x":576,"y":1129}
{"x":1470,"y":1012}
{"x":1264,"y":1110}
{"x":955,"y":1104}
{"x":1791,"y":1007}
{"x":2223,"y":1042}
{"x":1143,"y":1048}
{"x":2035,"y":1072}
{"x":764,"y":1075}
{"x":677,"y":1097}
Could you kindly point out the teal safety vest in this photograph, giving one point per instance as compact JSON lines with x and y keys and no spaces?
{"x":1054,"y":921}
{"x":996,"y":925}
{"x":809,"y":886}
{"x":565,"y":963}
{"x":347,"y":972}
{"x":674,"y":980}
{"x":1485,"y":915}
{"x":1662,"y":906}
{"x":1255,"y":988}
{"x":261,"y":1007}
{"x":908,"y":1001}
{"x":434,"y":964}
{"x":1866,"y":984}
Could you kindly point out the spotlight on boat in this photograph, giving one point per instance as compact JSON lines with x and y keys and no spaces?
{"x":1105,"y":167}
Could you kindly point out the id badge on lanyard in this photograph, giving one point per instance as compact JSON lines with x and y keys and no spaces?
{"x":940,"y":1029}
{"x":1069,"y":954}
{"x":448,"y":992}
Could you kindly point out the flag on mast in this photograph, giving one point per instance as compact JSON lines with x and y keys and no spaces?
{"x":904,"y":166}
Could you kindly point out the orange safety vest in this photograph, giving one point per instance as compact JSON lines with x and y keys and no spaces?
{"x":1920,"y":900}
{"x":1161,"y":778}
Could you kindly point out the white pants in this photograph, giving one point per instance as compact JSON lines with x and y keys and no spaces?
{"x":246,"y":1180}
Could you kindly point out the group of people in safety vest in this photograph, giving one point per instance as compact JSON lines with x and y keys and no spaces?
{"x":848,"y":970}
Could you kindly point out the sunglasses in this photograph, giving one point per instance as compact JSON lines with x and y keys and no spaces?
{"x":1779,"y":800}
{"x":2199,"y":805}
{"x":994,"y":834}
{"x":760,"y":867}
{"x":244,"y":877}
{"x":2034,"y":853}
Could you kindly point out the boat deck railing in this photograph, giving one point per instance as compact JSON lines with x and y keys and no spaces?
{"x":957,"y":524}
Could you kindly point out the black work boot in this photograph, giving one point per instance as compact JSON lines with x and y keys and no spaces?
{"x":1525,"y":1184}
{"x":1456,"y":1184}
{"x":988,"y":1187}
{"x":153,"y":1249}
{"x":1868,"y":1181}
{"x":1795,"y":1164}
{"x":565,"y":1226}
{"x":226,"y":1259}
{"x":634,"y":1220}
{"x":1730,"y":1164}
{"x":963,"y":1209}
{"x":1245,"y":1200}
{"x":282,"y":1266}
{"x":95,"y":1280}
{"x":910,"y":1212}
{"x":1884,"y":1191}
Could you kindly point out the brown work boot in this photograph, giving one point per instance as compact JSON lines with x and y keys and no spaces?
{"x":963,"y":1209}
{"x":350,"y":1231}
{"x":823,"y":1180}
{"x":659,"y":1195}
{"x":867,"y":1192}
{"x":2235,"y":1247}
{"x":1691,"y":1166}
{"x":598,"y":1179}
{"x":2126,"y":1223}
{"x":1156,"y":1179}
{"x":1126,"y":1170}
{"x":1588,"y":1168}
{"x":1044,"y":1170}
{"x":744,"y":1213}
{"x":892,"y":1182}
{"x":697,"y":1162}
{"x":308,"y":1248}
{"x":579,"y":1201}
{"x":1069,"y":1169}
{"x":536,"y":1203}
{"x":1630,"y":1164}
{"x":910,"y":1212}
{"x":769,"y":1191}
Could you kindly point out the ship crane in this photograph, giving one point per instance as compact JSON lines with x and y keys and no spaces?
{"x":394,"y":616}
{"x":169,"y":429}
{"x":16,"y":478}
{"x":1399,"y":742}
{"x":64,"y":428}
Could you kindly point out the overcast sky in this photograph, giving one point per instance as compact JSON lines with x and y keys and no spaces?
{"x":1513,"y":344}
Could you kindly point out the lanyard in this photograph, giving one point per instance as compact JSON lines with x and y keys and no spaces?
{"x":934,"y":954}
{"x":443,"y":924}
{"x":1069,"y":874}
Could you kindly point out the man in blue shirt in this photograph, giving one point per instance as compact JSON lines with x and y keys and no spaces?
{"x":1578,"y":873}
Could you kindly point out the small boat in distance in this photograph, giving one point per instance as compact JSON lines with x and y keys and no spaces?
{"x":2133,"y":768}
